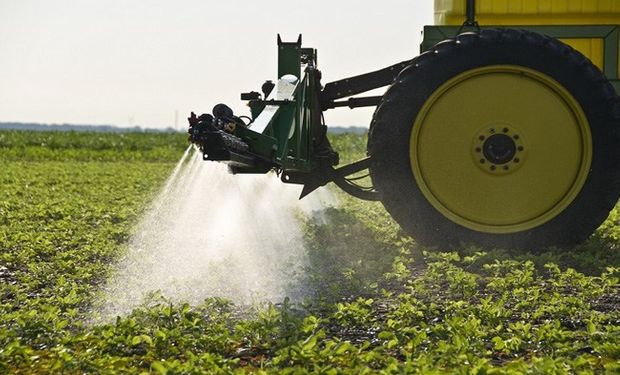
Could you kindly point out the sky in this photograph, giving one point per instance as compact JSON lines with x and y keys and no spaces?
{"x":149,"y":63}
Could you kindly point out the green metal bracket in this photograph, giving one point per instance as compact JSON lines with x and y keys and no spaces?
{"x":289,"y":57}
{"x":283,"y":122}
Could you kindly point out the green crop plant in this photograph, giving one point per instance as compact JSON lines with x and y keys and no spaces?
{"x":378,"y":302}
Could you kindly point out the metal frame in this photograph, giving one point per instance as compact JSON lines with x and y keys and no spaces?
{"x":610,"y":34}
{"x":282,"y":122}
{"x":287,"y":134}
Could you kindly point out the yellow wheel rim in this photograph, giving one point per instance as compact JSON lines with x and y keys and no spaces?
{"x":500,"y":149}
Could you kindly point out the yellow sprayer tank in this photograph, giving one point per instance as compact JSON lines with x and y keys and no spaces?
{"x":539,"y":12}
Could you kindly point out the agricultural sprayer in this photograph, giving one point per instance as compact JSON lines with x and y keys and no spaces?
{"x":506,"y":134}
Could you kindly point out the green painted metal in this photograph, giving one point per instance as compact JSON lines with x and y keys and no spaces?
{"x":609,"y":33}
{"x":256,"y":107}
{"x":282,"y":126}
{"x":610,"y":57}
{"x":289,"y":57}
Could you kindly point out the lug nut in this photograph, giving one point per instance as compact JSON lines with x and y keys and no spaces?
{"x":481,"y":161}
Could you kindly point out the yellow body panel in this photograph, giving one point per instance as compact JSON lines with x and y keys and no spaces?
{"x":538,"y":12}
{"x":531,"y":12}
{"x":591,"y":48}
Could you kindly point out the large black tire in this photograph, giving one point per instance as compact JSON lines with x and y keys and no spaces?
{"x":394,"y":123}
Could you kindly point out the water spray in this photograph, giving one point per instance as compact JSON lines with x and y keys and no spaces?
{"x":209,"y":233}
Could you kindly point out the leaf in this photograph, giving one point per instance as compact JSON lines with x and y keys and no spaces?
{"x":160,"y":334}
{"x":159,"y":367}
{"x":147,"y":339}
{"x":343,"y":348}
{"x":498,"y":343}
{"x":310,"y":343}
{"x":392,"y":343}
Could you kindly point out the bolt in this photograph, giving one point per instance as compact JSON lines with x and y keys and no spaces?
{"x":478,"y":149}
{"x":492,"y":167}
{"x":481,"y":161}
{"x":516,"y":136}
{"x":516,"y":160}
{"x":491,"y":130}
{"x":481,"y":138}
{"x":505,"y":167}
{"x":520,"y":148}
{"x":505,"y":130}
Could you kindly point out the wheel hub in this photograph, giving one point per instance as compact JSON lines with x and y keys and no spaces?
{"x":498,"y":149}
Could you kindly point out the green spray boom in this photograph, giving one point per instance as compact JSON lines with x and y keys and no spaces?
{"x":286,"y":132}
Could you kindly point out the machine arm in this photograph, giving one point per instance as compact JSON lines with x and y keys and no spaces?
{"x":361,"y":83}
{"x":286,"y":132}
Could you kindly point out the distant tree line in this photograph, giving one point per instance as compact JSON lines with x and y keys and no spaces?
{"x":78,"y":127}
{"x":120,"y":129}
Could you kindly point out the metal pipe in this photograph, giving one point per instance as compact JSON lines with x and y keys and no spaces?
{"x":367,"y":101}
{"x":470,"y":13}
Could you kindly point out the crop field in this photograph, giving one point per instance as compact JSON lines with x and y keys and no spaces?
{"x":376,"y":301}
